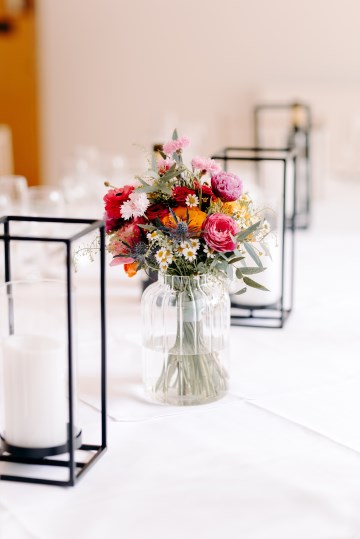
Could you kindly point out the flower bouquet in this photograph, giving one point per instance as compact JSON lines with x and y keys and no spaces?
{"x":195,"y":227}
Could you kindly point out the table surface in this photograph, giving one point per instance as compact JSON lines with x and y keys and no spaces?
{"x":277,"y":458}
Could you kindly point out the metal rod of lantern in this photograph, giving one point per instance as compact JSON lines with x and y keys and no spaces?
{"x":70,"y":366}
{"x":103,"y":337}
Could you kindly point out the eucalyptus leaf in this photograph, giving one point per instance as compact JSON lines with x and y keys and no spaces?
{"x":251,"y":271}
{"x":238,"y":273}
{"x":254,"y":284}
{"x":245,"y":233}
{"x":154,"y":163}
{"x":250,"y":249}
{"x":241,"y":291}
{"x":236,"y":259}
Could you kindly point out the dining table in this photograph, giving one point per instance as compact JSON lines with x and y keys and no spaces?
{"x":277,"y":458}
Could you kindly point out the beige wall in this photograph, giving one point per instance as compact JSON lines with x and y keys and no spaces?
{"x":116,"y":72}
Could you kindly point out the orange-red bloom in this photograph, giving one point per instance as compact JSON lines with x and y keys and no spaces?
{"x":131,"y":269}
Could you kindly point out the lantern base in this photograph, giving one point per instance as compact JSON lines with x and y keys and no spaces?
{"x":39,"y":452}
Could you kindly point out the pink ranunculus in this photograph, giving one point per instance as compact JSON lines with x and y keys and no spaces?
{"x":217,"y":230}
{"x":227,"y":186}
{"x":205,"y":165}
{"x":175,"y":145}
{"x":114,"y":198}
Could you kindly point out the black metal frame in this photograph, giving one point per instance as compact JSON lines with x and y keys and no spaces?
{"x":275,"y":315}
{"x":32,"y":457}
{"x":302,"y":219}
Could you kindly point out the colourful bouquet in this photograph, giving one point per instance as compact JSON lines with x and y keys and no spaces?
{"x":185,"y":221}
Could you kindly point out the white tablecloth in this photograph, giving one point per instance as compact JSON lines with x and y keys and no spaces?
{"x":278,"y":458}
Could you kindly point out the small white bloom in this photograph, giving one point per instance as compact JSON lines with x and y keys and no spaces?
{"x":136,"y":206}
{"x":189,"y":254}
{"x":191,"y":201}
{"x":209,"y":252}
{"x":160,"y":255}
{"x":195,"y":244}
{"x":185,"y":245}
{"x":153,"y":236}
{"x":126,"y":210}
{"x":163,"y":266}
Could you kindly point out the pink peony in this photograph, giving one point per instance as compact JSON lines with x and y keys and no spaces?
{"x":218,"y":230}
{"x":205,"y":165}
{"x":175,"y":145}
{"x":114,"y":198}
{"x":227,"y":186}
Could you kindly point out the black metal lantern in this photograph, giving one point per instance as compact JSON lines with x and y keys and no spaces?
{"x":269,"y":176}
{"x":38,"y":334}
{"x":290,"y":126}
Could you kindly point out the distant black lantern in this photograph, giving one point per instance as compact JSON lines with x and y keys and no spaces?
{"x":293,"y":121}
{"x":269,"y":176}
{"x":38,"y":330}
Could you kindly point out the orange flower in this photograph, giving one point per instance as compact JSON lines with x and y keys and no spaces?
{"x":231,"y":207}
{"x":131,"y":269}
{"x":196,"y":218}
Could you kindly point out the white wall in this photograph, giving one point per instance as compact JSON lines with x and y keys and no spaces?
{"x":118,"y":72}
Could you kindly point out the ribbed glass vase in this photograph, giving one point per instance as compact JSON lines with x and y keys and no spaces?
{"x":186,"y":323}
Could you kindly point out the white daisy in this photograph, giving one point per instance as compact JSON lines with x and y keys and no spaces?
{"x":152,"y":236}
{"x":189,"y":254}
{"x":191,"y":201}
{"x":209,"y":252}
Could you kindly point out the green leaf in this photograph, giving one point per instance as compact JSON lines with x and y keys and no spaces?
{"x":245,"y":233}
{"x":266,"y":250}
{"x":250,"y":249}
{"x":175,"y":135}
{"x":254,"y":284}
{"x":147,"y":227}
{"x":251,"y":271}
{"x":154,"y":163}
{"x":236,"y":259}
{"x":172,"y":173}
{"x":147,"y":189}
{"x":238,"y":273}
{"x":241,"y":291}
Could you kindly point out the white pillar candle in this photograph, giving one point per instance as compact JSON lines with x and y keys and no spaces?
{"x":35,"y":396}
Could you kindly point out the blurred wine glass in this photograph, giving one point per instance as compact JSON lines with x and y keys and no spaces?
{"x":13,"y":195}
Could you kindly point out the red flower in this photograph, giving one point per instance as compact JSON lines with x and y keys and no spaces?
{"x":114,"y":198}
{"x":180,"y":193}
{"x":156,"y":210}
{"x":111,"y":224}
{"x":206,"y":190}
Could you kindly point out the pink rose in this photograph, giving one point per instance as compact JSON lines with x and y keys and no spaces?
{"x":227,"y":186}
{"x":217,"y":230}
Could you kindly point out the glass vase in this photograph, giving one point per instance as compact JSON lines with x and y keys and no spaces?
{"x":186,"y":324}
